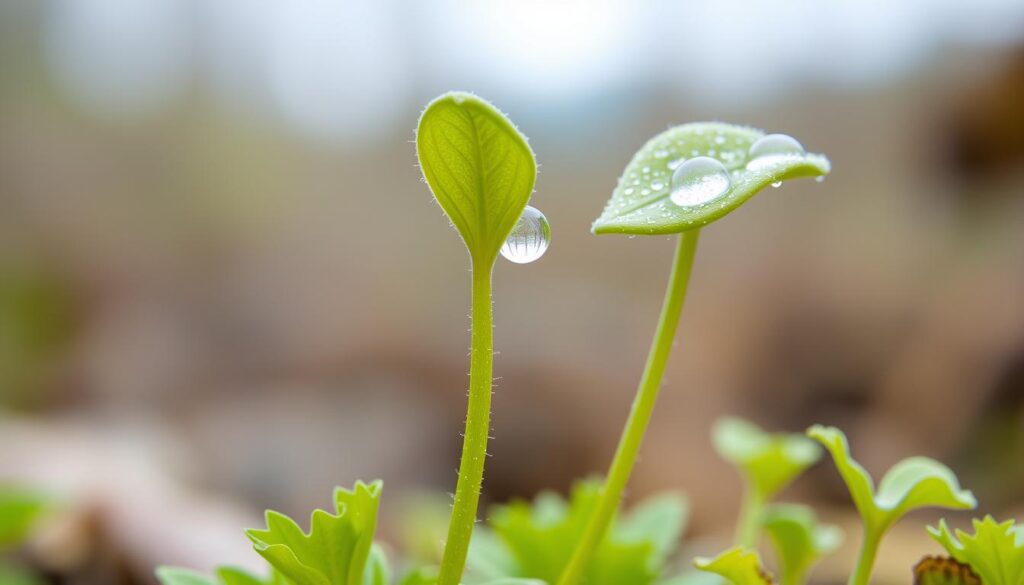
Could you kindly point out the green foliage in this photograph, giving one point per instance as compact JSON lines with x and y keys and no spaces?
{"x":767,"y":462}
{"x":223,"y":576}
{"x":913,"y":483}
{"x":640,"y":203}
{"x":944,"y":571}
{"x":799,"y":540}
{"x":995,"y":551}
{"x":336,"y":550}
{"x":737,"y":565}
{"x":19,"y":510}
{"x":537,"y":540}
{"x":479,"y":167}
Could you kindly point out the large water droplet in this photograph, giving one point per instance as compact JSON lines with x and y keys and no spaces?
{"x":698,"y":181}
{"x":773,"y":149}
{"x":529,"y":239}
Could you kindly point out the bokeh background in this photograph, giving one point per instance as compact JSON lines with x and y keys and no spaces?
{"x":224,"y":286}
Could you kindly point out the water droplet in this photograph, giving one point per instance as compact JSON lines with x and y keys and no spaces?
{"x":657,"y":185}
{"x":661,"y":153}
{"x":776,"y":184}
{"x":529,"y":239}
{"x":773,"y":149}
{"x":628,"y":191}
{"x":674,"y":164}
{"x":819,"y":179}
{"x":698,"y":181}
{"x":719,"y":139}
{"x":646,"y":170}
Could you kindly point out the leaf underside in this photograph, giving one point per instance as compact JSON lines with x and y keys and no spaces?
{"x":479,"y":167}
{"x":640,"y":203}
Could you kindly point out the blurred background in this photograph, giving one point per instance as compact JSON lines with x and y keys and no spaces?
{"x":224,"y":286}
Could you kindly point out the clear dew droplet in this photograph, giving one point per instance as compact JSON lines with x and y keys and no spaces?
{"x":698,"y":181}
{"x":776,"y":184}
{"x":773,"y":149}
{"x":529,"y":239}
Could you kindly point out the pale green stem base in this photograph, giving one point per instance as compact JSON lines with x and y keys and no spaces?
{"x":640,"y":414}
{"x":866,"y":560}
{"x":474,"y":444}
{"x":750,"y":518}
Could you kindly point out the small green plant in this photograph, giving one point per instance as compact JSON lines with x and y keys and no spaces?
{"x":20,"y":511}
{"x":482,"y":171}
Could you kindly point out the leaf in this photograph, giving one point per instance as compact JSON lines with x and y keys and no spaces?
{"x":479,"y":167}
{"x":995,"y":551}
{"x":739,"y":566}
{"x":225,"y":576}
{"x":798,"y":539}
{"x":768,"y":462}
{"x":337,"y":548}
{"x":913,"y":483}
{"x":19,"y":511}
{"x":641,"y":204}
{"x":943,"y":571}
{"x":536,"y":541}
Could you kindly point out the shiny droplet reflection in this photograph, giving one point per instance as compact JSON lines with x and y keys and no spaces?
{"x":699,"y":181}
{"x":773,"y":149}
{"x":529,"y":239}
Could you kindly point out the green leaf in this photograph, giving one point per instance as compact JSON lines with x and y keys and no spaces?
{"x":536,"y":541}
{"x":19,"y":511}
{"x":917,"y":482}
{"x":641,"y":204}
{"x":225,"y":576}
{"x":739,"y":566}
{"x":943,"y":571}
{"x":995,"y":551}
{"x":798,"y":539}
{"x":337,"y":548}
{"x":479,"y":167}
{"x":14,"y":575}
{"x":768,"y":462}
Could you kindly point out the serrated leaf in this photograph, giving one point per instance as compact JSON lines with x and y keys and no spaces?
{"x":536,"y":541}
{"x":995,"y":551}
{"x":943,"y":571}
{"x":641,"y":204}
{"x":337,"y":548}
{"x":767,"y":461}
{"x":479,"y":167}
{"x":739,"y":566}
{"x":799,"y":540}
{"x":913,"y":483}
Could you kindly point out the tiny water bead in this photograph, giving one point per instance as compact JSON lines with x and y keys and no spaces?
{"x":529,"y":239}
{"x":698,"y":181}
{"x":772,"y":149}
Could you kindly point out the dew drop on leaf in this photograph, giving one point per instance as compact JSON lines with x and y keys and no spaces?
{"x":772,"y":149}
{"x":698,"y":181}
{"x":529,"y":239}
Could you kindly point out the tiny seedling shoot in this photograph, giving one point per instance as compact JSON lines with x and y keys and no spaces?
{"x":481,"y":172}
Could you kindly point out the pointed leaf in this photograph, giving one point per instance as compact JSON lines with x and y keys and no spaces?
{"x":943,"y":571}
{"x":737,"y":565}
{"x":641,"y":203}
{"x":335,"y":551}
{"x":798,"y":539}
{"x":913,"y":483}
{"x":479,"y":167}
{"x":768,"y":462}
{"x":995,"y":551}
{"x":659,"y":520}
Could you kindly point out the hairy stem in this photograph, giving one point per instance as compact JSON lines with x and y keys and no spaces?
{"x":640,"y":414}
{"x":750,"y":517}
{"x":474,"y":444}
{"x":866,"y":559}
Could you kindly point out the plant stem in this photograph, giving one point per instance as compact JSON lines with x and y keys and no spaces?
{"x":474,"y":444}
{"x":750,"y":516}
{"x":640,"y":414}
{"x":866,"y":560}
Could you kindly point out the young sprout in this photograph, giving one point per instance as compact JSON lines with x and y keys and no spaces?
{"x":767,"y":462}
{"x":917,"y":482}
{"x":799,"y":540}
{"x":481,"y":171}
{"x":680,"y":181}
{"x":995,"y":551}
